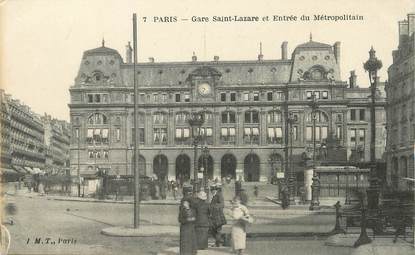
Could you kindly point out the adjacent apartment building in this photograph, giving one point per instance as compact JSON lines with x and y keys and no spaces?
{"x":401,"y":108}
{"x":29,"y":141}
{"x":244,"y":103}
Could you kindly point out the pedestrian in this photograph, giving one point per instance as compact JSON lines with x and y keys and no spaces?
{"x":202,"y":212}
{"x":188,"y":245}
{"x":175,"y":188}
{"x":243,"y":196}
{"x":217,"y":217}
{"x":285,"y":202}
{"x":256,"y":191}
{"x":241,"y":217}
{"x":238,"y":186}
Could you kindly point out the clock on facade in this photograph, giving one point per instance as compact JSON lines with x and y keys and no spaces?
{"x":204,"y":89}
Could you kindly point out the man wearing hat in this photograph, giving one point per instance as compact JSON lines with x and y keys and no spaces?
{"x":202,"y":212}
{"x":217,"y":217}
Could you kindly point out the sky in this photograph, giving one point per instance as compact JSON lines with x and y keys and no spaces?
{"x":42,"y":41}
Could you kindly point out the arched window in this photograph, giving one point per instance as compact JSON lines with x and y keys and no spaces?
{"x":97,"y":130}
{"x":274,"y":117}
{"x":251,"y":117}
{"x":181,"y":118}
{"x":322,"y":126}
{"x":321,"y":117}
{"x":228,"y":117}
{"x":160,"y":118}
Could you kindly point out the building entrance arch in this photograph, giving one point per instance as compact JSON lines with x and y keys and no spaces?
{"x":160,"y":166}
{"x":251,"y":168}
{"x":207,"y":163}
{"x":183,"y":168}
{"x":228,"y":166}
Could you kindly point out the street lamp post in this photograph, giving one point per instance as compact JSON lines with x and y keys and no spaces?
{"x":195,"y":121}
{"x":205,"y":152}
{"x":372,"y":66}
{"x":315,"y":186}
{"x":291,"y":179}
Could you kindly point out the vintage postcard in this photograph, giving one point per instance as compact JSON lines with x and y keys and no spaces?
{"x":207,"y":127}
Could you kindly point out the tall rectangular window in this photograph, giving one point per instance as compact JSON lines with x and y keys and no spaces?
{"x":269,"y":96}
{"x":256,"y":96}
{"x":223,"y":97}
{"x":76,"y":132}
{"x":324,"y":131}
{"x":97,"y":98}
{"x":142,"y":98}
{"x":339,"y":132}
{"x":295,"y":133}
{"x":246,"y":96}
{"x":118,"y":134}
{"x":325,"y":94}
{"x":164,"y":98}
{"x":317,"y":133}
{"x":233,"y":96}
{"x":353,"y":135}
{"x":178,"y":98}
{"x":362,"y":135}
{"x":309,"y":133}
{"x":104,"y":98}
{"x":186,"y":97}
{"x":352,"y":114}
{"x":141,"y":137}
{"x":362,"y":114}
{"x":90,"y":98}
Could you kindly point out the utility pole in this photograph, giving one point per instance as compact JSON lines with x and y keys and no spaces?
{"x":136,"y":136}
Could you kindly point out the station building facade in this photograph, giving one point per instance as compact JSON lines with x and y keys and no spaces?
{"x":245,"y":104}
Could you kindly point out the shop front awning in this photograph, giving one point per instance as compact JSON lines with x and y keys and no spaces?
{"x":19,"y":169}
{"x":29,"y":170}
{"x":38,"y":171}
{"x":8,"y":171}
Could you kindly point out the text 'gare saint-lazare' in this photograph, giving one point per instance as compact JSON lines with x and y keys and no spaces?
{"x":266,"y":18}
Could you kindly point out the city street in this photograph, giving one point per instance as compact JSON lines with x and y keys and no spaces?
{"x":67,"y":227}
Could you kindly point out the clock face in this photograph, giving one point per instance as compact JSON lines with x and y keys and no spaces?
{"x":204,"y":89}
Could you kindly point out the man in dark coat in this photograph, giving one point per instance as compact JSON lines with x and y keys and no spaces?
{"x":217,"y":217}
{"x":202,"y":212}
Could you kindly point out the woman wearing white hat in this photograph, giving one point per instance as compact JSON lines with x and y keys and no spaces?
{"x":241,"y":218}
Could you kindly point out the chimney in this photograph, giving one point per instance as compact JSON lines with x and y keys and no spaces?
{"x":151,"y":59}
{"x":216,"y":58}
{"x":284,"y":50}
{"x":194,"y":57}
{"x":395,"y":55}
{"x":352,"y":79}
{"x":336,"y":48}
{"x":403,"y":31}
{"x":411,"y":23}
{"x":260,"y":56}
{"x":128,"y":53}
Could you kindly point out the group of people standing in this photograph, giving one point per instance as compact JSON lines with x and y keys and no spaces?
{"x":198,"y":219}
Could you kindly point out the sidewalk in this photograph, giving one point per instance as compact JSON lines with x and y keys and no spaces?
{"x":259,"y":203}
{"x":380,"y":245}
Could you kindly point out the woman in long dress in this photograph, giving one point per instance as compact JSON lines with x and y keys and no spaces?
{"x":188,"y":245}
{"x":240,"y":216}
{"x":202,"y":212}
